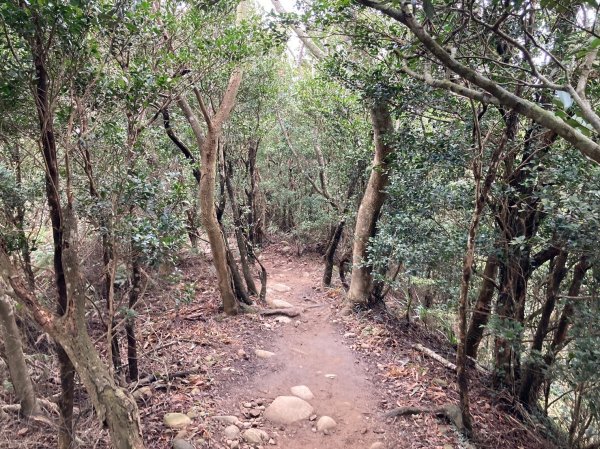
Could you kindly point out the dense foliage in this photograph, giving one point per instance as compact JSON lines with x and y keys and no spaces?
{"x":484,"y":112}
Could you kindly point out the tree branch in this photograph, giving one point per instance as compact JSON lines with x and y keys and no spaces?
{"x":585,"y":145}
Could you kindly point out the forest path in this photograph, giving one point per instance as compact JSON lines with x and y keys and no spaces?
{"x":310,"y":351}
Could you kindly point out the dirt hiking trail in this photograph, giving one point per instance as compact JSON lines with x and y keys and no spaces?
{"x":309,"y":351}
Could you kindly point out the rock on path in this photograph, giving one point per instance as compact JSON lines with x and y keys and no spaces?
{"x":256,"y":436}
{"x":231,"y":432}
{"x":179,"y":443}
{"x":263,"y":354}
{"x":177,"y":420}
{"x":303,"y":392}
{"x":326,"y":424}
{"x":280,"y":288}
{"x":287,"y":410}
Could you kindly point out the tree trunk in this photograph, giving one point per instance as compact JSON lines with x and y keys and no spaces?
{"x":134,"y":296}
{"x":211,"y":224}
{"x":208,"y":158}
{"x":20,"y":221}
{"x":370,"y":207}
{"x":17,"y":367}
{"x":330,"y":253}
{"x":256,"y":210}
{"x":107,"y":244}
{"x":114,"y":406}
{"x":536,"y":374}
{"x":239,"y":233}
{"x":48,"y":143}
{"x":518,"y":216}
{"x":481,"y":313}
{"x":557,"y":273}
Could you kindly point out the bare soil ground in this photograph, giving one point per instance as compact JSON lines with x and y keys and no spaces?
{"x":371,"y":355}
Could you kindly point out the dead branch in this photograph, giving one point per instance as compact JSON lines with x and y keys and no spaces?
{"x":449,"y":411}
{"x":448,"y":364}
{"x":434,"y":356}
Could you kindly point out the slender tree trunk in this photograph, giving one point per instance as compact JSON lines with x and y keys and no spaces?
{"x":370,"y":207}
{"x":239,"y":233}
{"x":330,"y":253}
{"x":17,"y":367}
{"x":256,"y":210}
{"x":535,"y":376}
{"x":46,"y":122}
{"x":482,"y":188}
{"x":519,"y":216}
{"x":483,"y":307}
{"x":20,"y":222}
{"x":107,"y":244}
{"x":211,"y":224}
{"x":134,"y":296}
{"x":532,"y":370}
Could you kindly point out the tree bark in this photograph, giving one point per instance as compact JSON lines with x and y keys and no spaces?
{"x":527,"y":395}
{"x":483,"y":307}
{"x":17,"y":367}
{"x":370,"y":207}
{"x":48,"y":144}
{"x":534,"y":377}
{"x":134,"y":296}
{"x":114,"y":406}
{"x":518,"y":217}
{"x":208,"y":158}
{"x":482,"y":188}
{"x":239,"y":233}
{"x":256,"y":210}
{"x":330,"y":253}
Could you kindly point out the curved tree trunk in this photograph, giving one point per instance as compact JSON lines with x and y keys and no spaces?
{"x":17,"y":367}
{"x":370,"y":206}
{"x":208,"y":215}
{"x":114,"y":406}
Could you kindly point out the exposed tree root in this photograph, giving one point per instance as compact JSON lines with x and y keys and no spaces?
{"x":449,"y":411}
